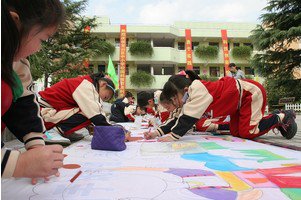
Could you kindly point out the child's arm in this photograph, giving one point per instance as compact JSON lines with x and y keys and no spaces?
{"x":23,"y":117}
{"x":198,"y":101}
{"x":129,"y":111}
{"x":24,"y":121}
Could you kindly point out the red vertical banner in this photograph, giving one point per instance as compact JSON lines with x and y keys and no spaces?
{"x":122,"y":60}
{"x":188,"y":46}
{"x":225,"y":52}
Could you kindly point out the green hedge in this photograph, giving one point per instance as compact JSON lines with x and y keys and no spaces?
{"x":208,"y":78}
{"x":141,"y":78}
{"x":141,"y":48}
{"x":206,"y":52}
{"x":105,"y":48}
{"x":242,"y":52}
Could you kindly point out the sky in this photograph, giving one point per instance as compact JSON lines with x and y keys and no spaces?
{"x":168,"y":11}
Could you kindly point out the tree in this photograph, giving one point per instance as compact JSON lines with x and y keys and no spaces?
{"x":276,"y":60}
{"x":66,"y":54}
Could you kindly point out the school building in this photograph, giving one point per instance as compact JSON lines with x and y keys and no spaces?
{"x":169,"y":53}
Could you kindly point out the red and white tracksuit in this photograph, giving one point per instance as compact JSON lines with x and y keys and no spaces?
{"x":158,"y":111}
{"x":243,"y":100}
{"x":72,"y":104}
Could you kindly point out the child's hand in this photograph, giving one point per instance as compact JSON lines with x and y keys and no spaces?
{"x":40,"y":162}
{"x":150,"y":135}
{"x":35,"y":180}
{"x":167,"y":138}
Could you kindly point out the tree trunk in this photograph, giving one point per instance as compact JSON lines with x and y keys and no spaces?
{"x":46,"y":76}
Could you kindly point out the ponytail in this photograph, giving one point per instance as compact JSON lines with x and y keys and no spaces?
{"x":192,"y":75}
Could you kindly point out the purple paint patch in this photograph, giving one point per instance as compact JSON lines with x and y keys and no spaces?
{"x":189,"y":172}
{"x":215,"y":193}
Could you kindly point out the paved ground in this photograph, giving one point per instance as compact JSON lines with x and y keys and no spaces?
{"x":278,"y":140}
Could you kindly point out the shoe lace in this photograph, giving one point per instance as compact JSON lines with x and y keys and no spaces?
{"x":282,"y":125}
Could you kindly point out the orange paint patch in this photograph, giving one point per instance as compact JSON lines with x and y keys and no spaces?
{"x":290,"y":165}
{"x":250,"y":172}
{"x":71,"y":166}
{"x":132,"y":139}
{"x":258,"y":180}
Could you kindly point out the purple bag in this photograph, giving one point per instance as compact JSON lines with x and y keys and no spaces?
{"x":111,"y":138}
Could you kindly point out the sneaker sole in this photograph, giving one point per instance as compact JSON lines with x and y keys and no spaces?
{"x":293,"y":130}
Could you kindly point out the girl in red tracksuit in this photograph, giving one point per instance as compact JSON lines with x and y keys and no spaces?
{"x":75,"y":103}
{"x":243,"y":100}
{"x":205,"y":124}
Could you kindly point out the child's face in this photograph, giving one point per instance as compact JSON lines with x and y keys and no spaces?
{"x":177,"y":100}
{"x":105,"y":93}
{"x":140,"y":111}
{"x":31,"y":43}
{"x":151,"y":103}
{"x":169,"y":106}
{"x":131,"y":100}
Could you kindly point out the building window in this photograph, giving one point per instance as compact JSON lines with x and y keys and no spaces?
{"x":168,"y":70}
{"x":158,"y":70}
{"x":248,"y":45}
{"x":126,"y":69}
{"x":195,"y":45}
{"x":117,"y":42}
{"x":235,"y":44}
{"x":214,"y":71}
{"x":249,"y":71}
{"x":215,"y":44}
{"x":145,"y":68}
{"x":181,"y":45}
{"x":197,"y":70}
{"x":101,"y":68}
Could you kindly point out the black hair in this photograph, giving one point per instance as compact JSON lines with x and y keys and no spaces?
{"x":128,"y":94}
{"x":180,"y":81}
{"x":41,"y":13}
{"x":192,"y":75}
{"x":9,"y":44}
{"x":143,"y":97}
{"x":100,"y":76}
{"x":232,"y":65}
{"x":164,"y":99}
{"x":175,"y":84}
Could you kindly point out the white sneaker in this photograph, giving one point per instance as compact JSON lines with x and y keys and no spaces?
{"x":53,"y":136}
{"x":78,"y":135}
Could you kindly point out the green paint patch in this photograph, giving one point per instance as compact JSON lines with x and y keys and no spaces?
{"x":266,"y":155}
{"x":211,"y":146}
{"x":292,"y":193}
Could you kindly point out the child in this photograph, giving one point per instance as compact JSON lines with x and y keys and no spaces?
{"x":72,"y":104}
{"x":149,"y":101}
{"x":243,"y":100}
{"x":24,"y":25}
{"x":205,"y":124}
{"x":123,"y":110}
